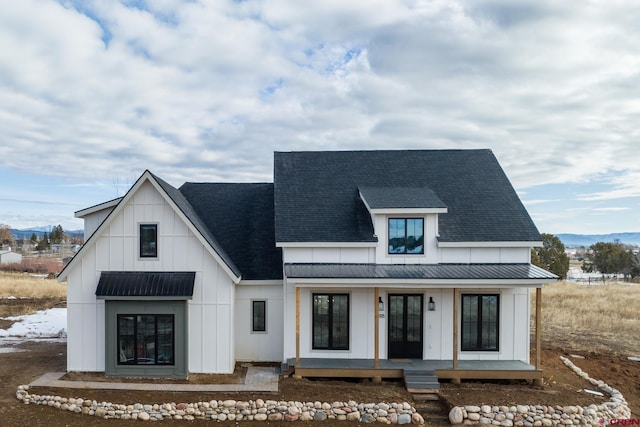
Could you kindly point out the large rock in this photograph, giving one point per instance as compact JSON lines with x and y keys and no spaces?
{"x":404,"y":419}
{"x":320,"y":416}
{"x":456,"y":416}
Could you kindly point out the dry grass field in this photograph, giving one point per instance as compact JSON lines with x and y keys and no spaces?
{"x":592,"y":317}
{"x":22,"y":285}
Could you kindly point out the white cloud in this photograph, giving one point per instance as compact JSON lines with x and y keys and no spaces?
{"x":199,"y":90}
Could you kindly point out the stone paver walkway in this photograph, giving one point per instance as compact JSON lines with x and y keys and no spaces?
{"x":258,"y":379}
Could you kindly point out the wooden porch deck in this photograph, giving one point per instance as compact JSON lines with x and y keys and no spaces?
{"x":395,"y":368}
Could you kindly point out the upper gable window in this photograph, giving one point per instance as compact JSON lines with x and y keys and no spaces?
{"x":148,"y":240}
{"x":406,"y":235}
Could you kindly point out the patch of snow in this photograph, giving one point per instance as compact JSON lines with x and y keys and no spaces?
{"x":11,"y":350}
{"x":43,"y":324}
{"x":11,"y":297}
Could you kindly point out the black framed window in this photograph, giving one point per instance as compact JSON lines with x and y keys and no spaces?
{"x":259,"y":316}
{"x":148,"y":240}
{"x":146,"y":339}
{"x":330,"y":322}
{"x":406,"y":235}
{"x":480,"y":322}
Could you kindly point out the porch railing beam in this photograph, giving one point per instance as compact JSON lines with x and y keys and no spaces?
{"x":455,"y":328}
{"x":297,"y":327}
{"x":376,"y":329}
{"x":538,"y":331}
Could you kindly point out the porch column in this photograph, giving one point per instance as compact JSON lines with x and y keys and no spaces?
{"x":297,"y":327}
{"x":376,"y":330}
{"x":455,"y":328}
{"x":538,"y":331}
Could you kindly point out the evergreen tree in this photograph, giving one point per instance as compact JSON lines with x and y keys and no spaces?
{"x":551,"y":256}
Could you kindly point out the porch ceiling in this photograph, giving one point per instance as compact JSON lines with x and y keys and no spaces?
{"x":521,"y":274}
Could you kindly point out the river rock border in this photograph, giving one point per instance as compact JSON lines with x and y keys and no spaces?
{"x":539,"y":415}
{"x":232,"y":410}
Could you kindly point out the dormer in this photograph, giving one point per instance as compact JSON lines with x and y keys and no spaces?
{"x":405,"y":221}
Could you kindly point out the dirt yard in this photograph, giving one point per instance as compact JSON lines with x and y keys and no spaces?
{"x":32,"y":359}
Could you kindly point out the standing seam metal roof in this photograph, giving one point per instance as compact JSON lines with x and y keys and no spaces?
{"x":145,"y":284}
{"x":418,"y":271}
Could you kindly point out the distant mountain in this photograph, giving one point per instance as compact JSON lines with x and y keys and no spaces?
{"x":39,"y":231}
{"x":577,"y":240}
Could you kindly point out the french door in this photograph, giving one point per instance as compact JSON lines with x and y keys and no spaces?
{"x":405,"y":326}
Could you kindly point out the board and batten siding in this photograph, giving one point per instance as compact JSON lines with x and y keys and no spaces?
{"x":210,"y":311}
{"x":495,"y":255}
{"x":514,"y":326}
{"x":259,"y":346}
{"x":437,"y":325}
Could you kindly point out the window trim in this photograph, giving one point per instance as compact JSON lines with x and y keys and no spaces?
{"x":331,"y":345}
{"x":155,"y":335}
{"x":389,"y":219}
{"x":264,"y":316}
{"x":480,"y":322}
{"x":141,"y":243}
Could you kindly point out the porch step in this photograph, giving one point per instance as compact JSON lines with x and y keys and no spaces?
{"x":421,"y":381}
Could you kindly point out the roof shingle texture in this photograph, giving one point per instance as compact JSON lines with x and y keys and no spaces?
{"x":316,"y":194}
{"x":240,"y":216}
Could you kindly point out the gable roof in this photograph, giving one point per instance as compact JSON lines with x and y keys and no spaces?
{"x":316,"y":194}
{"x":400,"y":197}
{"x":182,"y":206}
{"x":185,"y":207}
{"x":241,"y":218}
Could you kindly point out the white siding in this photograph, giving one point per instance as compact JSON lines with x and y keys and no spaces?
{"x":328,"y":255}
{"x":211,"y":321}
{"x":93,"y":221}
{"x":437,"y":326}
{"x":10,"y":257}
{"x":259,"y":346}
{"x":484,"y":255}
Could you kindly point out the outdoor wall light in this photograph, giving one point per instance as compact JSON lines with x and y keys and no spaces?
{"x":380,"y":304}
{"x":432,"y":304}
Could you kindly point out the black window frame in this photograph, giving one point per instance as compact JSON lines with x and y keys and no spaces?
{"x":405,"y":219}
{"x":479,"y":337}
{"x":331,"y":342}
{"x":145,"y":250}
{"x":136,"y":361}
{"x":261,"y":325}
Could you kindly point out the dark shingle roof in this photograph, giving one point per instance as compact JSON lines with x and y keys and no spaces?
{"x":419,"y":271}
{"x":145,"y":284}
{"x":240,"y":216}
{"x":400,"y":197}
{"x":316,"y":194}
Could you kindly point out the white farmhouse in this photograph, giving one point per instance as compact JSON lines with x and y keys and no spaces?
{"x":352,"y":263}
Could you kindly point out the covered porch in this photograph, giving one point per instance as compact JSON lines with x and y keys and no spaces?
{"x":389,"y":278}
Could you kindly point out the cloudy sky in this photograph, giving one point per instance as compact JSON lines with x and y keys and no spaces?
{"x":92,"y":93}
